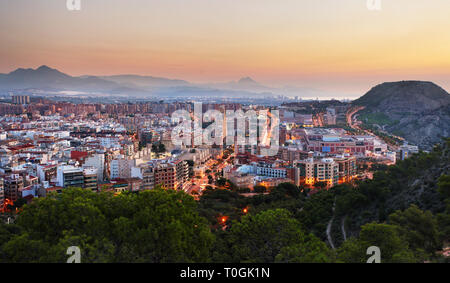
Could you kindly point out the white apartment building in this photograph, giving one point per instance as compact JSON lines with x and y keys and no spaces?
{"x":121,"y":168}
{"x":97,"y":161}
{"x":268,"y":170}
{"x":69,"y":176}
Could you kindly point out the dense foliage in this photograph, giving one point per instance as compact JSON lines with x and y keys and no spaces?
{"x":152,"y":226}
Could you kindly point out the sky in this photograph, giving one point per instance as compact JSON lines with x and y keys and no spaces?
{"x":335,"y":45}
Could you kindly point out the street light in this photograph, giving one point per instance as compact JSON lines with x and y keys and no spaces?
{"x":223,"y":219}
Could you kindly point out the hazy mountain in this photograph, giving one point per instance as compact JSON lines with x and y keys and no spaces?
{"x":48,"y":78}
{"x":144,"y":81}
{"x":243,"y":84}
{"x":248,"y":82}
{"x":418,"y":111}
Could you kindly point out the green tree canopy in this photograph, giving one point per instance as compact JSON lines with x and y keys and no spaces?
{"x":150,"y":226}
{"x":260,"y":237}
{"x":419,"y":228}
{"x":384,"y":236}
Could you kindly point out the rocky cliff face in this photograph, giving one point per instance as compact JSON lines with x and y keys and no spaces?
{"x":418,"y":111}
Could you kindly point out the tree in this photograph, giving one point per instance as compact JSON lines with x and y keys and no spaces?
{"x":444,"y":185}
{"x":317,"y":210}
{"x":23,"y":249}
{"x":259,"y":189}
{"x":419,"y":228}
{"x":150,"y":226}
{"x":312,"y":250}
{"x":384,"y":236}
{"x":164,"y":227}
{"x":351,"y":251}
{"x":284,"y":190}
{"x":158,"y":147}
{"x":261,"y":237}
{"x":221,"y":182}
{"x":320,"y":185}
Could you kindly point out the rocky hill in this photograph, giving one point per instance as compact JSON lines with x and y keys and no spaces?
{"x":416,"y":110}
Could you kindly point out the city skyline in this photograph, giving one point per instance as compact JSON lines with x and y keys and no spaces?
{"x":334,"y":46}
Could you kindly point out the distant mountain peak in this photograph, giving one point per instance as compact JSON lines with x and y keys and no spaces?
{"x":247,"y":80}
{"x":29,"y":71}
{"x":44,"y":68}
{"x":20,"y":71}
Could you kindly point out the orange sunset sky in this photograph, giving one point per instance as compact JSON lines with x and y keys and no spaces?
{"x":334,"y":45}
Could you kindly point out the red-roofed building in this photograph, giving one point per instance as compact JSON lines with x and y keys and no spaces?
{"x":78,"y":155}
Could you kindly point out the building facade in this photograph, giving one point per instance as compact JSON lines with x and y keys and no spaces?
{"x":310,"y":172}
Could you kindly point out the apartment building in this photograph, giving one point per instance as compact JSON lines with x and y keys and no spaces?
{"x":312,"y":171}
{"x":13,"y":184}
{"x":121,"y":168}
{"x":269,"y":170}
{"x":96,"y":160}
{"x":70,"y":176}
{"x":241,"y":176}
{"x":2,"y":194}
{"x":291,"y":154}
{"x":172,"y":174}
{"x":46,"y":172}
{"x":347,"y":168}
{"x":90,"y":178}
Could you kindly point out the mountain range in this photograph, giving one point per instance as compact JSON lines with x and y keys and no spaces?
{"x":49,"y":79}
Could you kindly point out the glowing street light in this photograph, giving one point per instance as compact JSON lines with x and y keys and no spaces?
{"x":223,"y":220}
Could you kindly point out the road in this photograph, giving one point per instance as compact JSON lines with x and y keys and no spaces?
{"x":351,"y":121}
{"x":344,"y":234}
{"x":354,"y":124}
{"x":330,"y":240}
{"x":200,"y":184}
